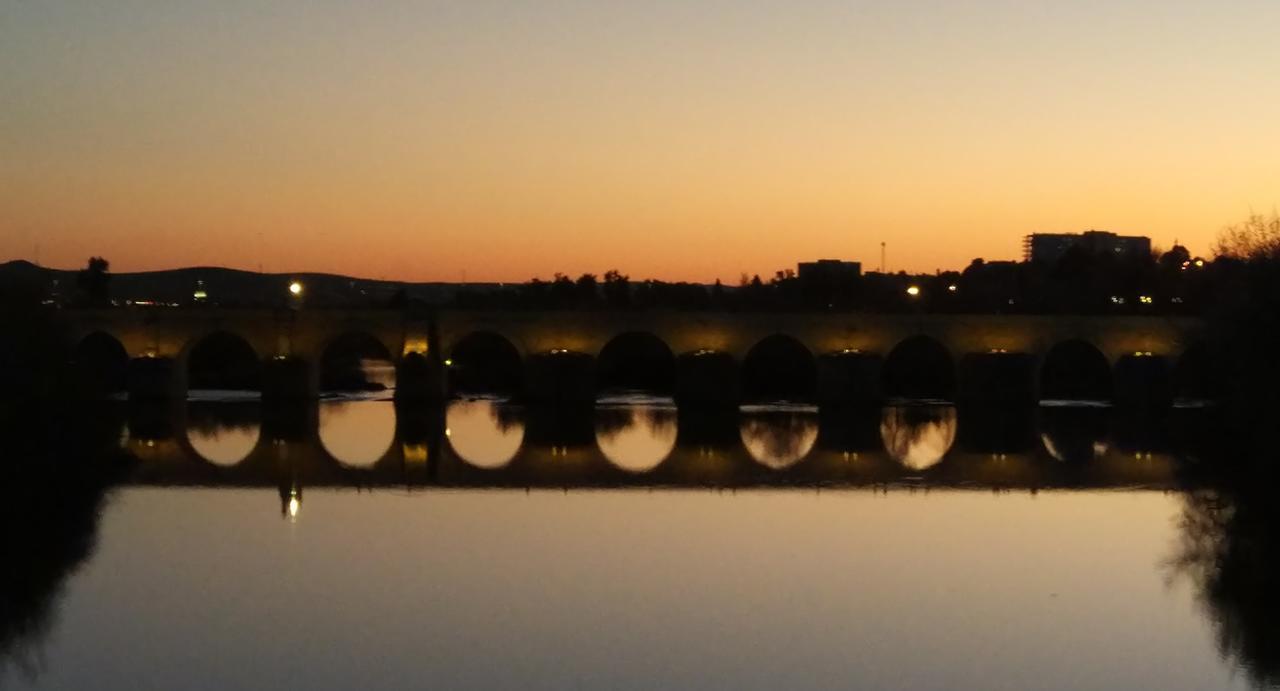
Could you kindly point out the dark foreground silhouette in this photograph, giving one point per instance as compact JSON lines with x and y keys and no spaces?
{"x":55,"y":474}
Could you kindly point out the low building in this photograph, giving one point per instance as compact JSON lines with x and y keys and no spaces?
{"x":1050,"y":247}
{"x":831,"y":272}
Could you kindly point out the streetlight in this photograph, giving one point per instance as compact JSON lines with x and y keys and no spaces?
{"x":295,"y":289}
{"x":913,"y":291}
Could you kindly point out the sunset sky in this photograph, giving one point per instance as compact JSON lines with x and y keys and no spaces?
{"x":669,"y":139}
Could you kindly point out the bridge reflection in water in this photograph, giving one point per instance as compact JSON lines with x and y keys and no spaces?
{"x":883,"y":560}
{"x":647,"y":442}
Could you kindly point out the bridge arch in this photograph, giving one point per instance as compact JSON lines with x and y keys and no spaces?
{"x":100,"y":363}
{"x":484,"y":362}
{"x":920,"y":368}
{"x":222,"y":360}
{"x":636,"y":360}
{"x":779,"y":367}
{"x":356,"y":361}
{"x":1075,"y":370}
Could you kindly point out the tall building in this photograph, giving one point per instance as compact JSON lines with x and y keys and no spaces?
{"x":1049,"y":247}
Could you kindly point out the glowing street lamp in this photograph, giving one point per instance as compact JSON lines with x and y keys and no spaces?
{"x":913,"y":291}
{"x":295,"y":289}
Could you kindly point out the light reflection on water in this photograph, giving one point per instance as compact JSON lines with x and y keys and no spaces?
{"x":631,"y":590}
{"x":550,"y":588}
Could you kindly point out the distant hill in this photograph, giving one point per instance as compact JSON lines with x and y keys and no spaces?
{"x":234,"y":287}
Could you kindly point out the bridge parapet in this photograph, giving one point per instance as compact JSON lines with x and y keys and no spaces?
{"x":822,"y":333}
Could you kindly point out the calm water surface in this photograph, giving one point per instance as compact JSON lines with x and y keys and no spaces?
{"x":629,"y":546}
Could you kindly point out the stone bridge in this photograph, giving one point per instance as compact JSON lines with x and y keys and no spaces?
{"x":851,"y":358}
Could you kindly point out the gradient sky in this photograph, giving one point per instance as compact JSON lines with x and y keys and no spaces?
{"x":672,"y":139}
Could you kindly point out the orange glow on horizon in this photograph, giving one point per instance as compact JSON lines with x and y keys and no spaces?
{"x":678,"y":141}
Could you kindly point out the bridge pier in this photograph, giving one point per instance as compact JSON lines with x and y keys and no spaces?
{"x":290,"y":378}
{"x":1143,"y":382}
{"x":560,"y":377}
{"x":995,"y":429}
{"x":420,"y":431}
{"x":420,"y":379}
{"x":155,"y":419}
{"x":849,"y":379}
{"x":997,"y":378}
{"x":290,"y":421}
{"x":156,"y":379}
{"x":707,"y":379}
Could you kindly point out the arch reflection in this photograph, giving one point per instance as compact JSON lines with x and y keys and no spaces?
{"x":634,"y":438}
{"x":483,"y":432}
{"x":778,"y":439}
{"x":1074,"y":434}
{"x":357,"y":434}
{"x":224,"y":445}
{"x":223,"y":434}
{"x":918,"y":437}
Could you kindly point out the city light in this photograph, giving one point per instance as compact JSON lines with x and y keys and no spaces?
{"x":952,"y":288}
{"x":448,"y":362}
{"x":913,"y":291}
{"x":295,"y":289}
{"x":1146,"y":299}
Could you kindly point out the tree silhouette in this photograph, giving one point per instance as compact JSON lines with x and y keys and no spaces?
{"x":617,"y":289}
{"x":94,"y":283}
